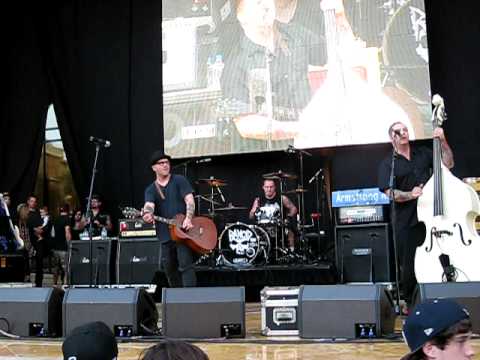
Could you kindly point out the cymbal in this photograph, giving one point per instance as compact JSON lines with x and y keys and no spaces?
{"x":231,"y":207}
{"x":296,"y":191}
{"x":212,"y":182}
{"x":279,"y":175}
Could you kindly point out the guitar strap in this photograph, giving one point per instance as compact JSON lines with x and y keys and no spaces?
{"x":159,"y":190}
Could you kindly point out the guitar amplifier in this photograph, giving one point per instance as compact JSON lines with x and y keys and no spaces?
{"x":133,"y":228}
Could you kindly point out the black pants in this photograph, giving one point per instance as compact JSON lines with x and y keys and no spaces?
{"x":177,"y":260}
{"x":40,"y":253}
{"x":409,"y":239}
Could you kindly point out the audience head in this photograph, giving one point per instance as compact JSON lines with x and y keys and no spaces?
{"x":92,"y":341}
{"x":438,"y":329}
{"x":173,"y":350}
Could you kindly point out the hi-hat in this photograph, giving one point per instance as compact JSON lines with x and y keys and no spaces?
{"x":279,"y":175}
{"x":296,"y":191}
{"x":213,"y":182}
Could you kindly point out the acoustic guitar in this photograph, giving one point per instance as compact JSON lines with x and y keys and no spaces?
{"x":202,"y":238}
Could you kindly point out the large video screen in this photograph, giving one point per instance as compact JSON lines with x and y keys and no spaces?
{"x":260,"y":75}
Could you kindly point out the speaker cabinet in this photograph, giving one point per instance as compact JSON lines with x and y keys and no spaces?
{"x":138,"y":260}
{"x":203,"y":312}
{"x":345,"y":311}
{"x":31,"y":311}
{"x":126,"y":311}
{"x":363,"y":253}
{"x":103,"y":260}
{"x":465,"y":293}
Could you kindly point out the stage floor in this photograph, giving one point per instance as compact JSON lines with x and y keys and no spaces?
{"x":254,"y":347}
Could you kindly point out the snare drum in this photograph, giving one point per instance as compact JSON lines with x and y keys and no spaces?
{"x":244,"y":245}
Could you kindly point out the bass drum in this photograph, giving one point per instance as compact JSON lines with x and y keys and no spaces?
{"x":405,"y":50}
{"x":244,"y":245}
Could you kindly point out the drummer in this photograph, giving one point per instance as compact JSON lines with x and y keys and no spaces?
{"x":266,"y":208}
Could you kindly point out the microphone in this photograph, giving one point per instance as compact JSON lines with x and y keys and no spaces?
{"x":290,"y":149}
{"x":437,"y":100}
{"x":448,"y":269}
{"x":315,"y":175}
{"x":102,"y":142}
{"x":397,"y":132}
{"x":205,"y":160}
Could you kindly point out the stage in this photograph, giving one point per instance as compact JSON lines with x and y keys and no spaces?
{"x":254,"y":347}
{"x":254,"y":278}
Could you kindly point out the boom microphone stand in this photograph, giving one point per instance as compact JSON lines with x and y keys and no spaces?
{"x":89,"y":213}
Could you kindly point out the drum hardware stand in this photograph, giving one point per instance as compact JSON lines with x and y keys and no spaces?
{"x":301,"y":205}
{"x":318,"y":177}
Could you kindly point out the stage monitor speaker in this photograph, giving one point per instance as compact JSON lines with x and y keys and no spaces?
{"x":128,"y":312}
{"x":345,"y":311}
{"x":31,"y":311}
{"x":103,"y":258}
{"x":363,"y":253}
{"x":209,"y":312}
{"x":466,"y":294}
{"x":138,"y":260}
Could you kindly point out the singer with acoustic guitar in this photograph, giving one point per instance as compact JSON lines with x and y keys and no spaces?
{"x":168,"y":196}
{"x":413,"y":167}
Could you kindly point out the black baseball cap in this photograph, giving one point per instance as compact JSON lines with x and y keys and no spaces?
{"x":159,"y":155}
{"x":428,"y":319}
{"x":92,"y":341}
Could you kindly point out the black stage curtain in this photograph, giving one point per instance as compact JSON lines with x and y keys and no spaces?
{"x":99,"y":63}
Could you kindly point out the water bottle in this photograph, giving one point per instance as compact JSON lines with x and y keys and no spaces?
{"x":104,"y":233}
{"x":210,"y":72}
{"x":218,"y":66}
{"x":84,"y":235}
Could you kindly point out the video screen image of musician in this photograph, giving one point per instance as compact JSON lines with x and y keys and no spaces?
{"x":259,"y":75}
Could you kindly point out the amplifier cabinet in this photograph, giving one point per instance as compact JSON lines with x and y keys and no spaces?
{"x":364,"y":253}
{"x":279,"y":310}
{"x":103,"y":262}
{"x":138,"y":260}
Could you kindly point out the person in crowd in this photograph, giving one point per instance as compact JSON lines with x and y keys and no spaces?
{"x":78,"y":224}
{"x":37,"y":236}
{"x":169,"y":195}
{"x":28,"y":250}
{"x":91,"y":341}
{"x":173,"y":350}
{"x":413,"y":166}
{"x":438,"y":329}
{"x":101,"y":220}
{"x":62,"y":235}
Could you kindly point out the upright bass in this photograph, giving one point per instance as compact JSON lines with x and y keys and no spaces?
{"x":448,"y":208}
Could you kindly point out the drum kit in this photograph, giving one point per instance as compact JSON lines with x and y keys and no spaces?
{"x":263,"y":243}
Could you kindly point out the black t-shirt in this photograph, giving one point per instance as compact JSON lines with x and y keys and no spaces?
{"x":175,"y":191}
{"x":59,"y":242}
{"x":34,"y":220}
{"x":102,"y":218}
{"x":408,"y":174}
{"x":268,"y":209}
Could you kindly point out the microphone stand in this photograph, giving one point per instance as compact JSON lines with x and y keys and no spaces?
{"x":89,"y":215}
{"x":393,"y":221}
